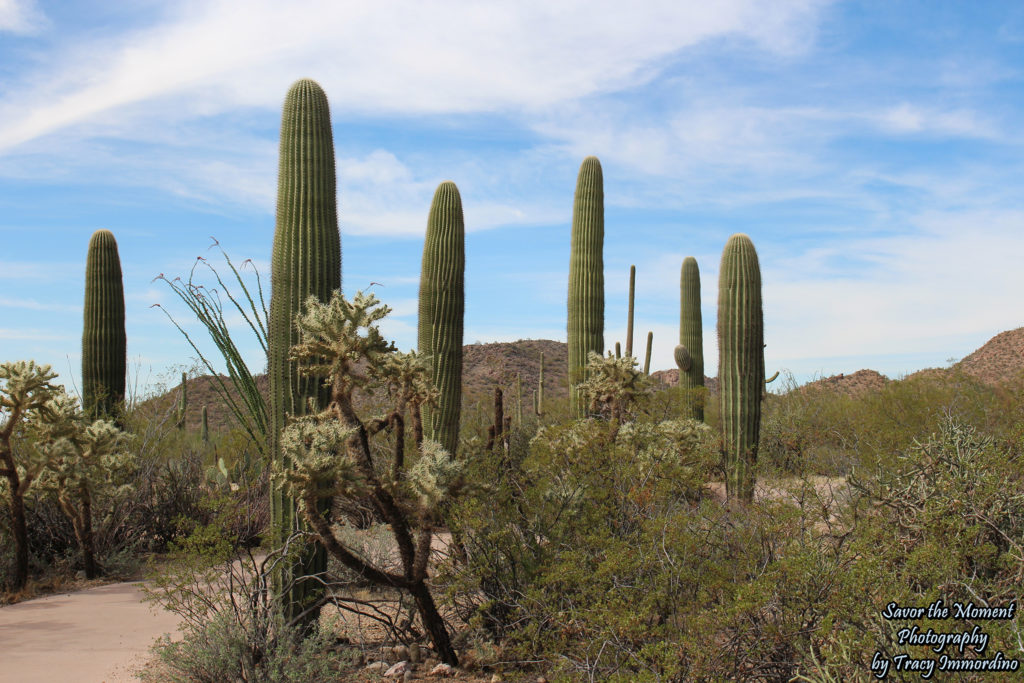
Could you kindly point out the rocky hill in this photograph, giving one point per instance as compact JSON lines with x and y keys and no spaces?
{"x":488,"y":365}
{"x":999,"y":359}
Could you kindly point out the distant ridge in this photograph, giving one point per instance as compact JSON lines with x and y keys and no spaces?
{"x":487,"y":365}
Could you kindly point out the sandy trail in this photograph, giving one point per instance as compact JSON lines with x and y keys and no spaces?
{"x":99,"y":635}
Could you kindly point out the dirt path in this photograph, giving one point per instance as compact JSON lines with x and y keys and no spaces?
{"x":99,"y":635}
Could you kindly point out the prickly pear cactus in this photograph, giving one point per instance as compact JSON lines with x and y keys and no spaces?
{"x":741,"y":362}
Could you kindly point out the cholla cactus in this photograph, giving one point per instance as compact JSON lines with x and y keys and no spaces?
{"x":25,"y":391}
{"x":435,"y":477}
{"x":85,"y":460}
{"x":330,"y":451}
{"x":613,"y":383}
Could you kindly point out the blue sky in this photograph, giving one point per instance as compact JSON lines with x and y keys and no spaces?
{"x":872,"y":151}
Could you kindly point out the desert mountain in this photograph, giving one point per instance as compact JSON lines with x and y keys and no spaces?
{"x":488,"y":365}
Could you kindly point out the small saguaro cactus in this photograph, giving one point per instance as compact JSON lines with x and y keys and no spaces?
{"x":441,"y":306}
{"x":618,"y":350}
{"x":741,"y":364}
{"x":519,"y":399}
{"x":629,"y":315}
{"x":182,"y":401}
{"x":305,"y":261}
{"x":586,"y":279}
{"x":691,"y":338}
{"x":647,"y":356}
{"x":205,"y":431}
{"x":538,"y":395}
{"x":103,"y":336}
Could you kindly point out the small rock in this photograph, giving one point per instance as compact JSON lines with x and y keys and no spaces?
{"x":496,"y":678}
{"x":376,"y":666}
{"x":442,"y":671}
{"x":397,"y":671}
{"x":541,"y":679}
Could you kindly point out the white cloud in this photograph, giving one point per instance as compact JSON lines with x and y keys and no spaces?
{"x":21,"y":16}
{"x":399,"y":57}
{"x":909,"y":118}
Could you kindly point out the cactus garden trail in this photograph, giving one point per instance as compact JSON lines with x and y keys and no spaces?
{"x":97,"y":635}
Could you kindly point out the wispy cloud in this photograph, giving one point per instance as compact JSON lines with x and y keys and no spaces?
{"x":21,"y":16}
{"x":388,"y":58}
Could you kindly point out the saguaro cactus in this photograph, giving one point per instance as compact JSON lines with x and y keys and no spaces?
{"x":306,"y":260}
{"x":103,"y":337}
{"x":538,"y":394}
{"x":647,"y":355}
{"x":441,"y":307}
{"x":691,"y":338}
{"x":741,"y":364}
{"x":586,"y":278}
{"x":182,"y":401}
{"x":204,"y":432}
{"x":629,"y":314}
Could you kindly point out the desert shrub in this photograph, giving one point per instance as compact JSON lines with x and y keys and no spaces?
{"x":563,"y":508}
{"x":806,"y":432}
{"x":584,"y":559}
{"x":234,"y":627}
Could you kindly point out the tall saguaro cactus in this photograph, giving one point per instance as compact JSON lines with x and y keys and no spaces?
{"x":586,"y":278}
{"x":441,"y":307}
{"x":741,"y":362}
{"x":306,"y":260}
{"x":691,"y":338}
{"x":103,"y":337}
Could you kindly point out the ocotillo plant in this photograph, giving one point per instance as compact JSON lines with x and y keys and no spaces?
{"x":586,"y":278}
{"x":103,"y":336}
{"x":182,"y":401}
{"x":306,"y":261}
{"x":441,"y":307}
{"x":629,"y":315}
{"x":691,"y":337}
{"x":741,"y":365}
